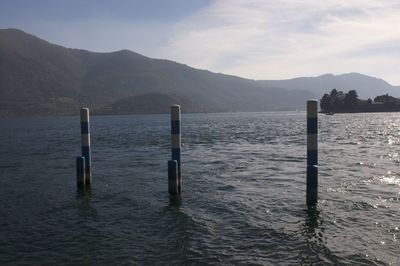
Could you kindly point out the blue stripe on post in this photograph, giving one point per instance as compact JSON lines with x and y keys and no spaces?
{"x":312,"y":125}
{"x":85,"y":128}
{"x":312,"y":158}
{"x":175,"y":126}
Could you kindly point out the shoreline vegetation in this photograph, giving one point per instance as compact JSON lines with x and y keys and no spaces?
{"x":339,"y":102}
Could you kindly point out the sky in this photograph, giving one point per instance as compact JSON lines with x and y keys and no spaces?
{"x":257,"y":39}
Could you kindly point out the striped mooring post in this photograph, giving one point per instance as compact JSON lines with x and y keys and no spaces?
{"x":80,"y":171}
{"x":173,"y":177}
{"x":85,"y":133}
{"x":176,"y":140}
{"x":312,"y":152}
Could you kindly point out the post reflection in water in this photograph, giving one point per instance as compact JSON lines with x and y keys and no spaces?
{"x":84,"y":205}
{"x":312,"y":224}
{"x":314,"y":232}
{"x":175,"y":201}
{"x":83,"y":193}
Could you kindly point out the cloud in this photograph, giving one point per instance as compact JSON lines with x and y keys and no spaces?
{"x":274,"y":39}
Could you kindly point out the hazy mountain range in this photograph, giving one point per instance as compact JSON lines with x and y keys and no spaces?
{"x":40,"y":78}
{"x":368,"y":87}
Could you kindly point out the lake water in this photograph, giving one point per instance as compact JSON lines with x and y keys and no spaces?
{"x":243,"y":199}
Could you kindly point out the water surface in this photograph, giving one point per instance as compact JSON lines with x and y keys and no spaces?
{"x":243,"y":199}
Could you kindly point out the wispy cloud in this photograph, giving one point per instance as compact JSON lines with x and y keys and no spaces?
{"x":285,"y":38}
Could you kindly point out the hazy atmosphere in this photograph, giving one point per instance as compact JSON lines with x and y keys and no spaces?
{"x":199,"y":132}
{"x":255,"y":39}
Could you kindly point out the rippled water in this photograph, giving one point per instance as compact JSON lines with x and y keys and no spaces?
{"x":243,"y":199}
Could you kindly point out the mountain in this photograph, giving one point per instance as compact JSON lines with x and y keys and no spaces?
{"x":366,"y":86}
{"x":36,"y":76}
{"x":149,"y":103}
{"x":40,"y":78}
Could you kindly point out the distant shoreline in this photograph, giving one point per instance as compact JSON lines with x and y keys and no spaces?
{"x":357,"y":111}
{"x":339,"y":102}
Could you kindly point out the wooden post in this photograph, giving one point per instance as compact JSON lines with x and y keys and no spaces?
{"x":85,"y":134}
{"x":176,"y":140}
{"x":312,"y":152}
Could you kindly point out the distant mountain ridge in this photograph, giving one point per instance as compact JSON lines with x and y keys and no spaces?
{"x":366,"y":86}
{"x":40,"y":78}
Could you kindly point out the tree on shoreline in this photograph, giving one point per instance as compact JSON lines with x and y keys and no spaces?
{"x":350,"y":99}
{"x":337,"y":99}
{"x":339,"y":102}
{"x":385,"y":98}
